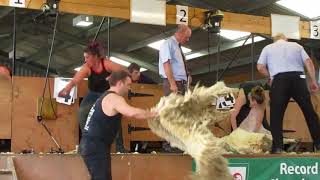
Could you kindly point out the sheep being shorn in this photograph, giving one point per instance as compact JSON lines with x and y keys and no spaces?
{"x":184,"y":121}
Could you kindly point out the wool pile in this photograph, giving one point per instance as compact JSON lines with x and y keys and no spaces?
{"x":183,"y":121}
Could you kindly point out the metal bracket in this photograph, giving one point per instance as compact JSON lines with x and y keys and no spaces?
{"x":132,"y":128}
{"x":132,"y":94}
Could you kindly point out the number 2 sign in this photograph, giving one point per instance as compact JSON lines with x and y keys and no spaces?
{"x":17,"y":3}
{"x":182,"y":15}
{"x":315,"y":29}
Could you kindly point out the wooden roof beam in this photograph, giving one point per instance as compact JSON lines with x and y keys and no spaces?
{"x":121,"y":9}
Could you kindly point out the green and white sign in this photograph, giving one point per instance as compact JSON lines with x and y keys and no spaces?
{"x":275,"y":168}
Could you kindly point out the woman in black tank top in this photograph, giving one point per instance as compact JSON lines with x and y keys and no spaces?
{"x":96,"y":68}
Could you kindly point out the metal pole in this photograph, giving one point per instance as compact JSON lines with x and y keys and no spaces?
{"x":233,"y":59}
{"x":39,"y":117}
{"x":218,"y":57}
{"x":48,"y":65}
{"x":51,"y":136}
{"x":97,"y":33}
{"x":209,"y":64}
{"x":252,"y":57}
{"x":14,"y":43}
{"x":14,"y":39}
{"x":109,"y":37}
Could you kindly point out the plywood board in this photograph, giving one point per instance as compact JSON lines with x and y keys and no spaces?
{"x":50,"y":167}
{"x":5,"y":107}
{"x":121,"y":9}
{"x":27,"y":133}
{"x":82,"y":88}
{"x":144,"y":102}
{"x":151,"y":167}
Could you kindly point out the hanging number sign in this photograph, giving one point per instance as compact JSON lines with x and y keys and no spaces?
{"x":315,"y":29}
{"x":182,"y":15}
{"x":17,"y":3}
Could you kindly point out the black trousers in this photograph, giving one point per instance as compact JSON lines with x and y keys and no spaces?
{"x":285,"y":86}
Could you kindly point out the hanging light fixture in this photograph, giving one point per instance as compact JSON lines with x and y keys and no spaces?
{"x":213,"y":21}
{"x":83,"y":21}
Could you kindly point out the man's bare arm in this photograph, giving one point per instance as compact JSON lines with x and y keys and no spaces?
{"x":310,"y":68}
{"x":263,"y":70}
{"x":240,"y":101}
{"x":80,"y":75}
{"x":121,"y":106}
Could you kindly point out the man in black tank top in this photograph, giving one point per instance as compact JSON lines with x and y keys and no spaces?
{"x":102,"y":125}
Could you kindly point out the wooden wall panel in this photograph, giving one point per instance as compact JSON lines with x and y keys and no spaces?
{"x":82,"y":88}
{"x":50,"y":167}
{"x":5,"y":107}
{"x":145,"y":102}
{"x":151,"y":167}
{"x":294,"y":119}
{"x":121,"y":9}
{"x":124,"y":167}
{"x":316,"y":102}
{"x":27,"y":133}
{"x":230,"y":77}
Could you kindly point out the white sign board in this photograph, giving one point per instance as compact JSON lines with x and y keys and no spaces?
{"x":59,"y":84}
{"x":182,"y":15}
{"x":315,"y":29}
{"x":226,"y":101}
{"x":17,"y":3}
{"x":148,"y":12}
{"x":288,"y":25}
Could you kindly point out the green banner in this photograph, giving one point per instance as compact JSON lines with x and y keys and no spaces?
{"x":275,"y":168}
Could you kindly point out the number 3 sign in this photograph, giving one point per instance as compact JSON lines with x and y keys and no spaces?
{"x":315,"y":29}
{"x":182,"y":14}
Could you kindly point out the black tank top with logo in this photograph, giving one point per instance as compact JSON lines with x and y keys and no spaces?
{"x":99,"y":125}
{"x":97,"y":81}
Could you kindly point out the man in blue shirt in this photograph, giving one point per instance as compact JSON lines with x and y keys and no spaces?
{"x":172,"y":65}
{"x":283,"y":63}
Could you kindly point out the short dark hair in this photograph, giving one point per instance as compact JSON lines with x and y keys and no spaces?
{"x":95,"y":48}
{"x":257,"y":94}
{"x":133,"y":66}
{"x":118,"y":76}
